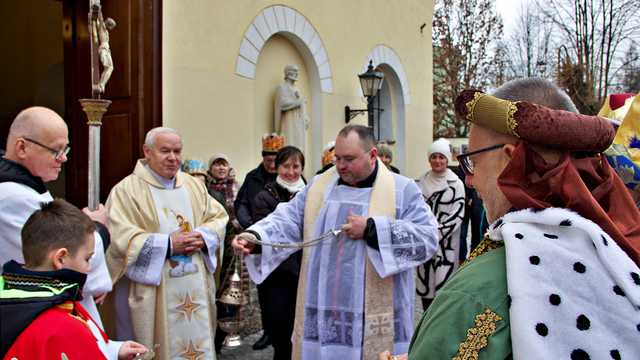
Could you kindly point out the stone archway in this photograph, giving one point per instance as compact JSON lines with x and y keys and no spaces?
{"x":393,"y":97}
{"x":289,"y":23}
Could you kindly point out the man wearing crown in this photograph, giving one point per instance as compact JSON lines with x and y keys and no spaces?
{"x":257,"y":178}
{"x":557,"y":275}
{"x":254,"y":182}
{"x":166,"y":231}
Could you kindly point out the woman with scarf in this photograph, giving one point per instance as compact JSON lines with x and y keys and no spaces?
{"x":444,"y":193}
{"x":220,"y":184}
{"x":224,"y":188}
{"x":278,"y":291}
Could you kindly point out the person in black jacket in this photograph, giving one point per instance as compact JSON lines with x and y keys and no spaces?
{"x":278,"y":292}
{"x":256,"y":179}
{"x":253,"y":183}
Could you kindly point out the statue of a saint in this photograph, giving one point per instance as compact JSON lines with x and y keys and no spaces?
{"x":290,"y":115}
{"x":100,"y":28}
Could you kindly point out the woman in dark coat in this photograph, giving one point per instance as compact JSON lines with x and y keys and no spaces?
{"x":278,"y":291}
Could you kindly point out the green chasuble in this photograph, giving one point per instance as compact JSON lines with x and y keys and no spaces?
{"x":469,"y":318}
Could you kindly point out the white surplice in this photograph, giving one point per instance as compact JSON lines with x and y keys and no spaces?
{"x":335,"y":284}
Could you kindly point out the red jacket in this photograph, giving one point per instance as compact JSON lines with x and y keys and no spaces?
{"x":59,"y":333}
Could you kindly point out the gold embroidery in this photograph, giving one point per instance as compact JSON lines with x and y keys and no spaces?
{"x":188,"y":307}
{"x":485,"y":326}
{"x":512,"y":123}
{"x":472,"y":104}
{"x":191,"y":352}
{"x":81,"y":319}
{"x":485,"y":246}
{"x":67,"y":305}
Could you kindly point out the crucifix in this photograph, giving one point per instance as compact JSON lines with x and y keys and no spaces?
{"x":95,"y":107}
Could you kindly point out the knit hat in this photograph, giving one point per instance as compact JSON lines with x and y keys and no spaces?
{"x":218,"y":156}
{"x":441,"y":146}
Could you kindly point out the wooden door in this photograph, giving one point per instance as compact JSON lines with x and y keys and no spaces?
{"x":134,"y":89}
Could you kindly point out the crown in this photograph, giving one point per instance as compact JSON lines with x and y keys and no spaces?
{"x":272,"y":142}
{"x":328,"y":156}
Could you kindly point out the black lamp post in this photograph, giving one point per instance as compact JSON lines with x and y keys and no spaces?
{"x":371,"y":83}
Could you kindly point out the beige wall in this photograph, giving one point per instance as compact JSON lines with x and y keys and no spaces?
{"x":218,"y":110}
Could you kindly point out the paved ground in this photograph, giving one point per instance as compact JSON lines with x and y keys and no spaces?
{"x":245,"y":352}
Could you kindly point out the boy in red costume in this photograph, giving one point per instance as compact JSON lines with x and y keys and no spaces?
{"x":40,"y":315}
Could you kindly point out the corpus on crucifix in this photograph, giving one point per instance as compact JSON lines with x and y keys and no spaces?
{"x":100,"y":50}
{"x":95,"y":107}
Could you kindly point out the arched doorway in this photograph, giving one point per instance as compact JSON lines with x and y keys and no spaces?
{"x":390,"y":125}
{"x":393,"y":98}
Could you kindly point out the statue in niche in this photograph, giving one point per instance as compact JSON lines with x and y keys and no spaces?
{"x":290,"y":115}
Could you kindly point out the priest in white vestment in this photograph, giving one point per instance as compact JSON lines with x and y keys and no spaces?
{"x":37,"y":146}
{"x":166,"y":232}
{"x":356,"y":289}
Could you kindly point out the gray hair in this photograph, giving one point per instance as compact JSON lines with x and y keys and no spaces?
{"x":150,"y":139}
{"x":384,"y":150}
{"x":538,"y":91}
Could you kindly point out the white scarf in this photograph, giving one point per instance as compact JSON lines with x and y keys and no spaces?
{"x":432,"y":181}
{"x":291,"y":187}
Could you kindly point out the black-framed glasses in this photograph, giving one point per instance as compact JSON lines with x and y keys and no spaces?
{"x":56,"y":153}
{"x":466,"y":164}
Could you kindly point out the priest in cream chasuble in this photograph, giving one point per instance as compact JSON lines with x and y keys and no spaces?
{"x":356,"y":290}
{"x":166,"y":233}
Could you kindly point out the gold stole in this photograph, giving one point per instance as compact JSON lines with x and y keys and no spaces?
{"x":378,"y":294}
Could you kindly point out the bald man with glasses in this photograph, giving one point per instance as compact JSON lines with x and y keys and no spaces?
{"x":37,"y":147}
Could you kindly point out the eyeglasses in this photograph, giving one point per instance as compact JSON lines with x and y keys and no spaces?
{"x":466,"y":164}
{"x":56,"y":153}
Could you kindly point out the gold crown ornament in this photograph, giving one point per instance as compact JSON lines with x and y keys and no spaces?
{"x":271,"y":143}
